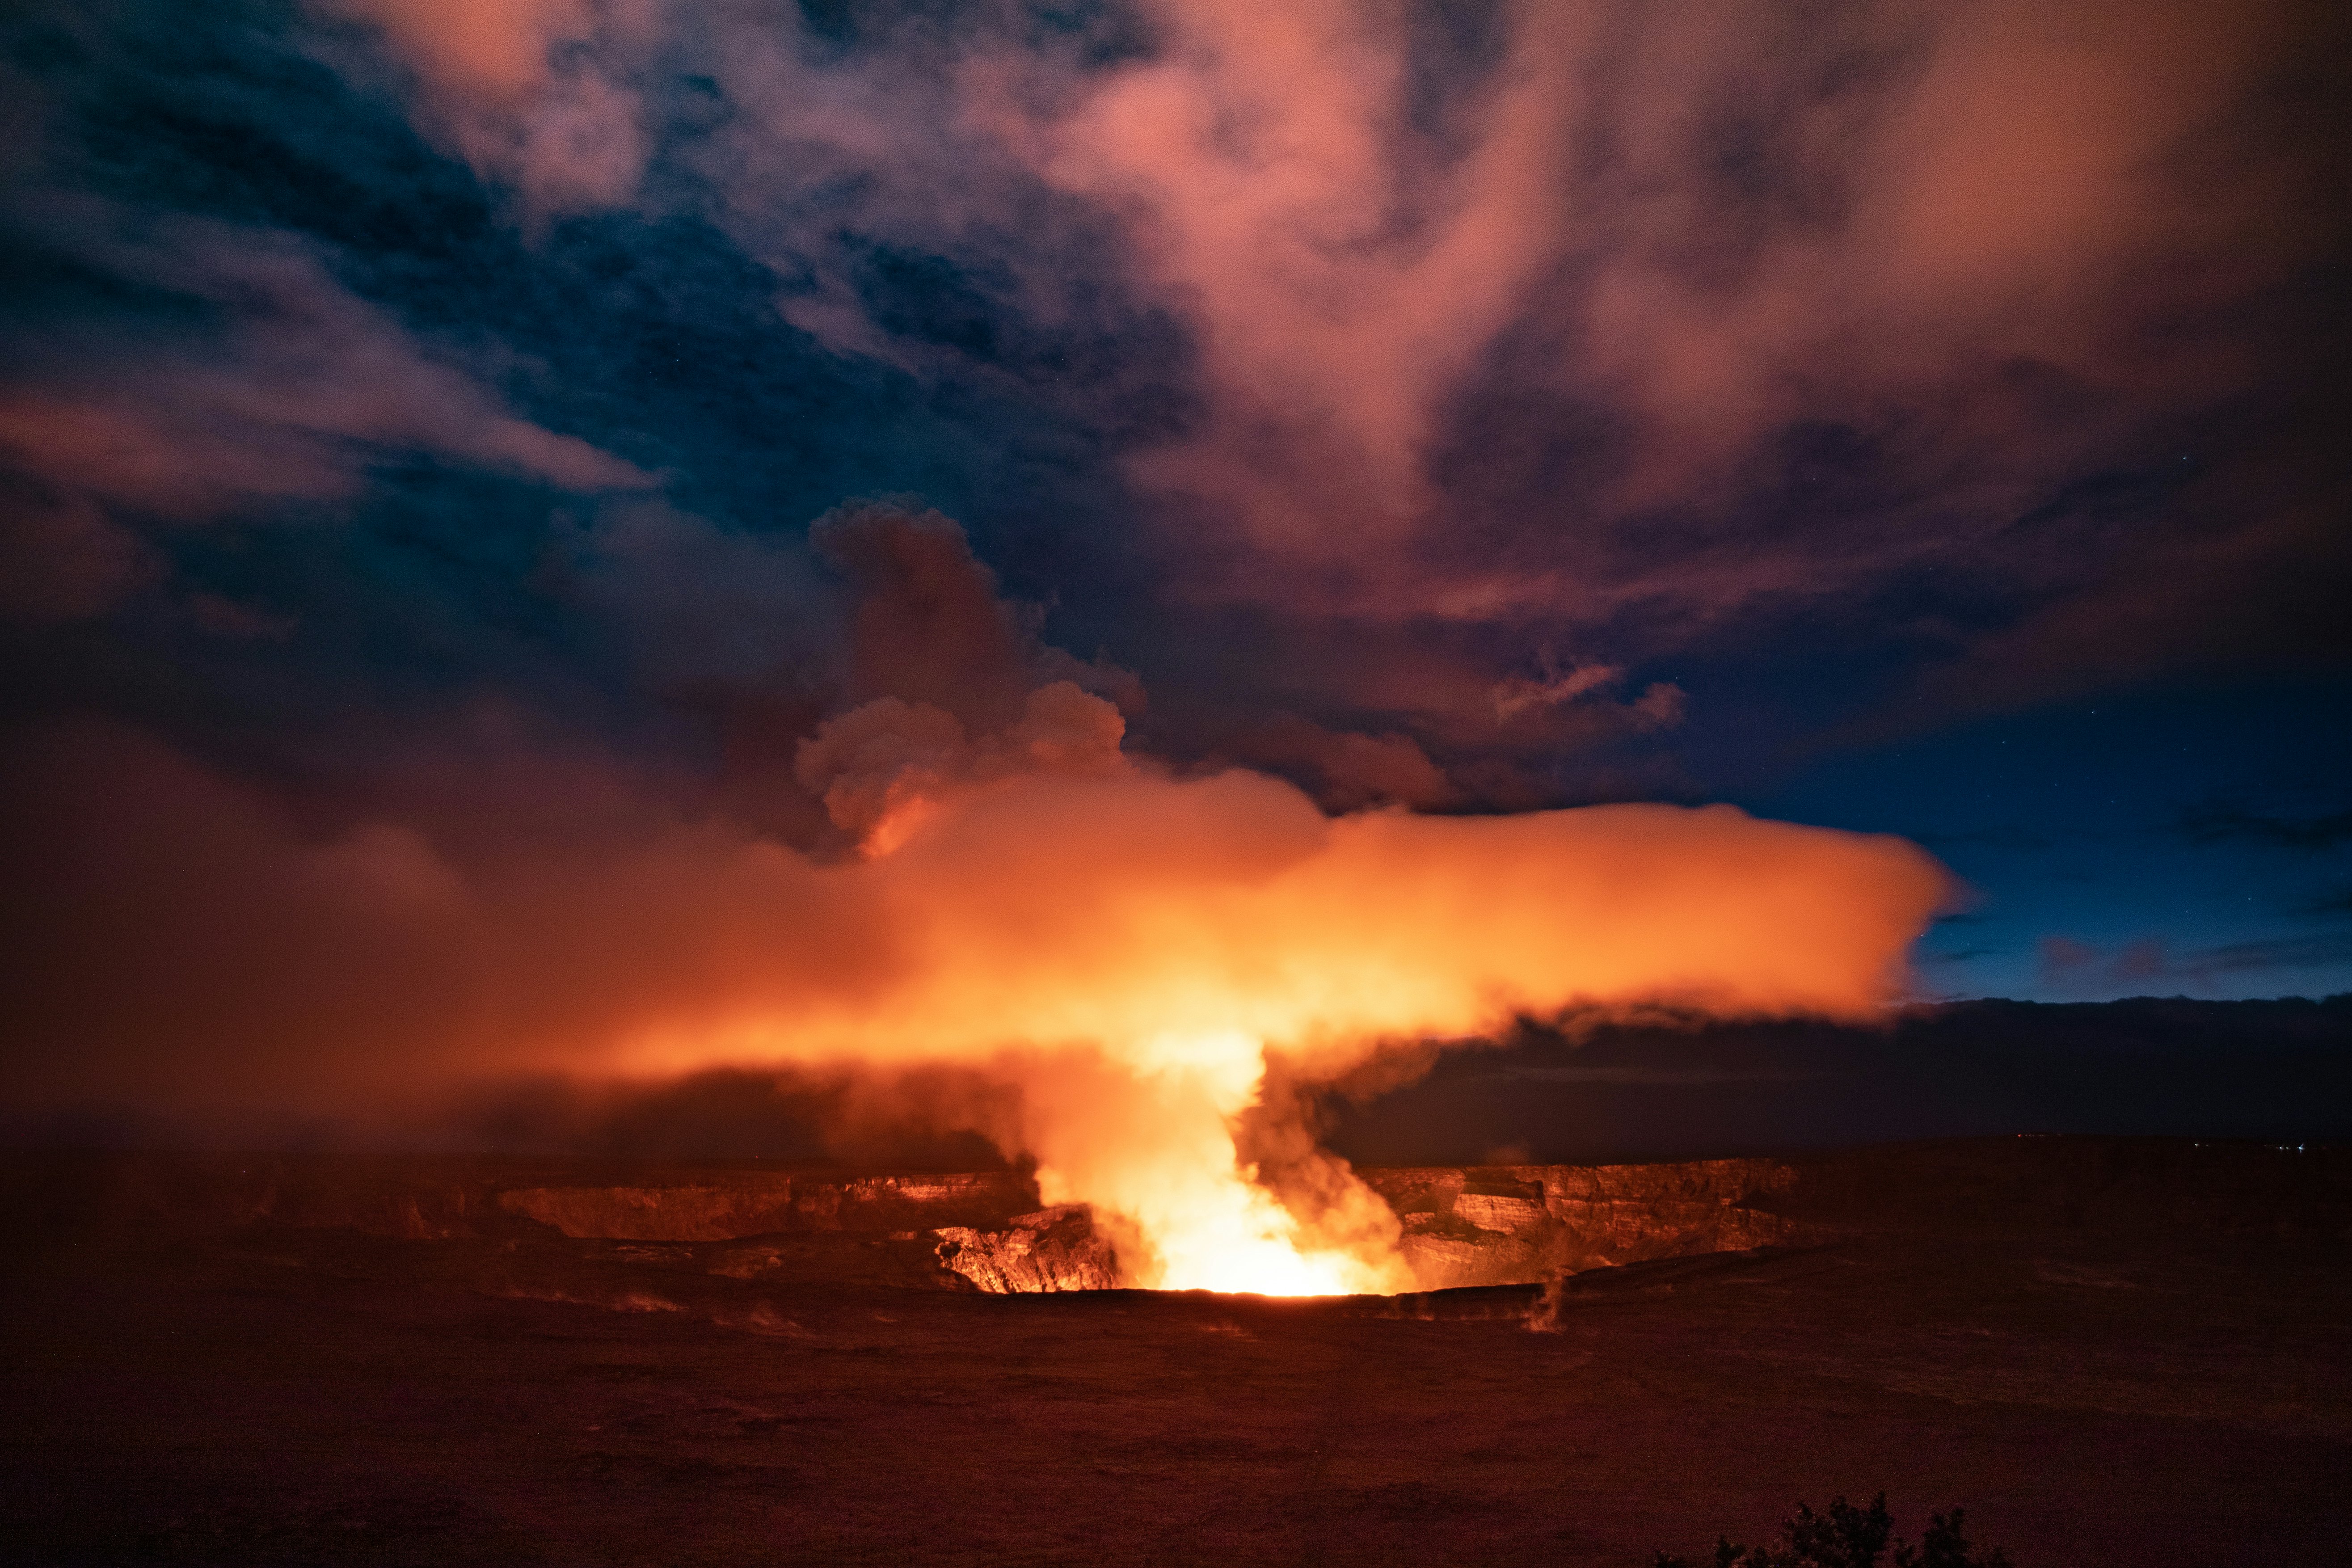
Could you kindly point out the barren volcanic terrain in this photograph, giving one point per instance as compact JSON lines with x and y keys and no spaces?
{"x":2107,"y":1351}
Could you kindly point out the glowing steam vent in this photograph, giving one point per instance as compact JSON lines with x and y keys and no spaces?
{"x":1170,"y":1175}
{"x":1128,"y":946}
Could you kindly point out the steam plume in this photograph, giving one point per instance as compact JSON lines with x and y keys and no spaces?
{"x":1124,"y":944}
{"x":1002,"y":890}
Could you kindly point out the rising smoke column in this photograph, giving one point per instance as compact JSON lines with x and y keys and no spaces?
{"x":1146,"y":940}
{"x":1124,"y":944}
{"x":1002,"y":887}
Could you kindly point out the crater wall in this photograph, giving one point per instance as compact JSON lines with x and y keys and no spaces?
{"x":989,"y":1231}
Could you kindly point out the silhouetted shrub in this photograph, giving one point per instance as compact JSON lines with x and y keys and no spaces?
{"x":1850,"y":1537}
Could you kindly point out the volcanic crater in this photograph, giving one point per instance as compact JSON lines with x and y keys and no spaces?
{"x":2108,"y":1349}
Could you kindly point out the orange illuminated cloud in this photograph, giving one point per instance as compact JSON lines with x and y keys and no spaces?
{"x":1123,"y":945}
{"x":1132,"y":945}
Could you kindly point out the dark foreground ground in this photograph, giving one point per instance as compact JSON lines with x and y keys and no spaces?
{"x":263,"y":1396}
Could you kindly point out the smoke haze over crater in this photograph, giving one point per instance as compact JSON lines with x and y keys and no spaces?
{"x":441,"y":638}
{"x":1119,"y":945}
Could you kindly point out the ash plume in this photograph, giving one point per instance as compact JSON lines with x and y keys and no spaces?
{"x":1009,"y":893}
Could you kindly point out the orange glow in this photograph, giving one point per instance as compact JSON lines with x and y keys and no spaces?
{"x":1123,"y":947}
{"x":1131,"y":945}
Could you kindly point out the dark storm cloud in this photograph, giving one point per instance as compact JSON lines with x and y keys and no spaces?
{"x":931,"y":626}
{"x":1986,"y":338}
{"x":256,"y":297}
{"x":1419,"y":356}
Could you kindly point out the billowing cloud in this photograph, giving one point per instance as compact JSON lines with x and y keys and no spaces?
{"x":1714,"y":224}
{"x":1608,"y":327}
{"x":291,"y":392}
{"x":1345,"y":266}
{"x":534,"y":93}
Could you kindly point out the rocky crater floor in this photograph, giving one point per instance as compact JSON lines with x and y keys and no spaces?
{"x":1481,"y":1226}
{"x":2108,"y":1352}
{"x":1461,"y":1226}
{"x":1506,"y":1224}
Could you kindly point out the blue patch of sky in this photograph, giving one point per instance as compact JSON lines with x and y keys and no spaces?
{"x":2077,"y":828}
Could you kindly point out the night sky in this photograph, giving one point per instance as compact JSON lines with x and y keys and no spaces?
{"x":1919,"y":419}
